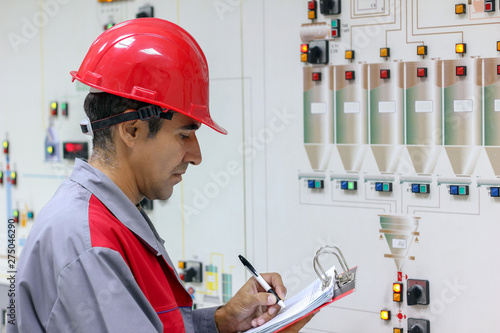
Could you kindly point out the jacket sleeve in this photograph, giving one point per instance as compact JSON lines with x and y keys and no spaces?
{"x":204,"y":320}
{"x":98,"y":293}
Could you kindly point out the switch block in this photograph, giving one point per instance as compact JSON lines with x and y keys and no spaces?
{"x":192,"y":271}
{"x":383,"y":187}
{"x":318,"y":52}
{"x":350,"y":185}
{"x":420,"y":188}
{"x":315,"y":183}
{"x":330,"y":7}
{"x":418,"y":325}
{"x":459,"y":189}
{"x":417,"y":292}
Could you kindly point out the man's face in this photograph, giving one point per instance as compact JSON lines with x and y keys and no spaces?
{"x":160,"y":162}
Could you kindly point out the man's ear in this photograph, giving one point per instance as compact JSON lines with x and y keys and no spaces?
{"x":127,"y":132}
{"x":130,"y":132}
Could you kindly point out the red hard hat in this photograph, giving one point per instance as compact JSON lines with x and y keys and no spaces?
{"x":153,"y":61}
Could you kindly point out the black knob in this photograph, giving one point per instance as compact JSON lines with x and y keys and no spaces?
{"x":314,"y":54}
{"x":413,"y":294}
{"x":416,"y":329}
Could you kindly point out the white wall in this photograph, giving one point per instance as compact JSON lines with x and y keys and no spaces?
{"x":252,"y":49}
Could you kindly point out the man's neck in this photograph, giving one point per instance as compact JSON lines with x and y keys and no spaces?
{"x":121,"y":176}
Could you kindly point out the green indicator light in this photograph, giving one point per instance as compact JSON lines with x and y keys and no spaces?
{"x":317,"y":184}
{"x":423,"y":188}
{"x":334,"y":23}
{"x":350,"y":185}
{"x":461,"y":190}
{"x":386,"y":187}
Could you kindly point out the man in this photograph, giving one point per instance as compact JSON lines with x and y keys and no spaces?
{"x":93,"y":261}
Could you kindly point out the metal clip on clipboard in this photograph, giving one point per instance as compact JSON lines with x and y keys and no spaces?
{"x":344,"y":281}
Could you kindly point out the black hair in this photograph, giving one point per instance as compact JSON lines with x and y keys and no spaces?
{"x":102,"y":105}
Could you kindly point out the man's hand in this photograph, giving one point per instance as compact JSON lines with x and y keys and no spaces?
{"x":252,"y":306}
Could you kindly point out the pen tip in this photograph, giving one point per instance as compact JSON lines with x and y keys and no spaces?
{"x":282,"y":304}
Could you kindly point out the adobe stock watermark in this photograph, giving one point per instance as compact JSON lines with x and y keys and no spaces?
{"x":250,"y":149}
{"x":302,"y":271}
{"x":31,"y":26}
{"x":446,"y":296}
{"x":225,"y":6}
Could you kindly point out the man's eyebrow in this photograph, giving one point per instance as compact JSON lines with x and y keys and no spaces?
{"x":190,"y":127}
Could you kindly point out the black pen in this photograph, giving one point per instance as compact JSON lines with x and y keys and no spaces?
{"x":261,"y":280}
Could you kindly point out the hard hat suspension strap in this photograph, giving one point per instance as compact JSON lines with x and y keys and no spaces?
{"x":144,"y":113}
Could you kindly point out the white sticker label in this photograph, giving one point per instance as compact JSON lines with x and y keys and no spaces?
{"x":462,"y":105}
{"x":497,"y":105}
{"x":387,"y":107}
{"x":351,"y":107}
{"x":398,"y":243}
{"x":318,"y":107}
{"x":423,"y":106}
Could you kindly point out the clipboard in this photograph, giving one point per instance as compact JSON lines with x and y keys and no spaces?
{"x":328,"y":288}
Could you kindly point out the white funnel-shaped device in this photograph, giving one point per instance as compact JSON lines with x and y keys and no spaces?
{"x":318,"y":116}
{"x":400,"y":233}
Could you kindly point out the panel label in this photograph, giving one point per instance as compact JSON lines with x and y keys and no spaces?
{"x":497,"y":105}
{"x":462,"y":105}
{"x":351,"y":107}
{"x":318,"y":108}
{"x":387,"y":107}
{"x":423,"y":106}
{"x":398,"y":243}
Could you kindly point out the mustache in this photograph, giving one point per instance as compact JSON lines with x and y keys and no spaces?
{"x":181,"y":169}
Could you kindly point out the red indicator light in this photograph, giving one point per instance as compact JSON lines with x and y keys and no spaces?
{"x":316,"y":76}
{"x":489,"y":6}
{"x":74,"y":147}
{"x":349,"y":75}
{"x":334,"y":32}
{"x":422,"y":72}
{"x":498,"y":69}
{"x":461,"y":70}
{"x":311,"y":5}
{"x":385,"y":73}
{"x":304,"y":48}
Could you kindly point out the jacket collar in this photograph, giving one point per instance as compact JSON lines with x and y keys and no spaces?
{"x":118,"y":204}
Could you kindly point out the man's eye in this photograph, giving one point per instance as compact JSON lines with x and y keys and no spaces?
{"x":183,"y":136}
